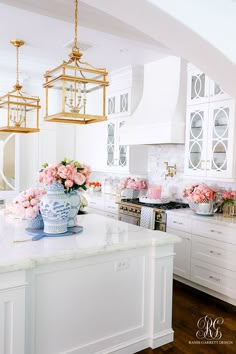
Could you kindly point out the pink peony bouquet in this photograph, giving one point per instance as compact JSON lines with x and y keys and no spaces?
{"x":228,"y":197}
{"x":132,"y":183}
{"x":26,"y":204}
{"x":70,"y":173}
{"x":198,"y":193}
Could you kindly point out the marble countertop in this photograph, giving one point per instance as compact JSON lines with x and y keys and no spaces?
{"x":101,"y":235}
{"x":216,"y":219}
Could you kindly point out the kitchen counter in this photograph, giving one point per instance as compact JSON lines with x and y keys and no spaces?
{"x":100,"y":236}
{"x":216,"y":219}
{"x":108,"y":289}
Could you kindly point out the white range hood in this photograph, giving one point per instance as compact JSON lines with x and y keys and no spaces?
{"x":160,"y":115}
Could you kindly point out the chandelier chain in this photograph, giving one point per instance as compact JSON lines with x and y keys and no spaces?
{"x":17,"y":65}
{"x":76,"y":23}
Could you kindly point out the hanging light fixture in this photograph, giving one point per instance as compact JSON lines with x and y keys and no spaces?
{"x":75,"y":90}
{"x":19,"y":112}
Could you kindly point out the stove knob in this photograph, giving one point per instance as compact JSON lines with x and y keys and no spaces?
{"x":121,"y":207}
{"x":125,"y":208}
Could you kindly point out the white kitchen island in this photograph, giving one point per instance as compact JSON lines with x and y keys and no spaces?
{"x":106,"y":290}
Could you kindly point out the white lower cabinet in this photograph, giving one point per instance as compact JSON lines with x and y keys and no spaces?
{"x":182,"y":254}
{"x":102,"y":204}
{"x":206,"y":256}
{"x":215,"y":278}
{"x":12,"y":313}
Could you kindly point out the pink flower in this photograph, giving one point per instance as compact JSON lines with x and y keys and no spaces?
{"x":68,"y":184}
{"x":79,"y":179}
{"x":26,"y":204}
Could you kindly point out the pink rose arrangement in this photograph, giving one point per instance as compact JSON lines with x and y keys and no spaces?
{"x":26,"y":204}
{"x":132,"y":183}
{"x":228,"y":197}
{"x":70,"y":173}
{"x":198,"y":193}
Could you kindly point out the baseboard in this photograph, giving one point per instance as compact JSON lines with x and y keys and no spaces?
{"x":162,"y":338}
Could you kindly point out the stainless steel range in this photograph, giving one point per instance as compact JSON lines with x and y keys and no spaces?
{"x":130,"y":211}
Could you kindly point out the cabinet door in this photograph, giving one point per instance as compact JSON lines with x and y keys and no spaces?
{"x":196,"y":136}
{"x":111,"y":137}
{"x":182,"y":259}
{"x":119,"y":103}
{"x":124,"y":102}
{"x":198,"y":87}
{"x":111,"y":105}
{"x":217,"y":93}
{"x":220,"y":139}
{"x":122,"y":150}
{"x":117,"y":155}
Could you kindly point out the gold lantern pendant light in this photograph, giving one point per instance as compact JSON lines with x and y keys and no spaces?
{"x":19,"y":112}
{"x":75,"y":90}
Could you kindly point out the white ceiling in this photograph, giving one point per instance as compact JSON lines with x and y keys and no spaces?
{"x":48,"y":27}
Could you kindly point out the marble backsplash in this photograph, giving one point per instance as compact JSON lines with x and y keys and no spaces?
{"x":171,"y":186}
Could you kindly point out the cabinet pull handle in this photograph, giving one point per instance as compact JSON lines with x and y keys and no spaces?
{"x":217,"y":253}
{"x":217,"y":232}
{"x":214,"y":278}
{"x":207,"y":164}
{"x":176,"y":222}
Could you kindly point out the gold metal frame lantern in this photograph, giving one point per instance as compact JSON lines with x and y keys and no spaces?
{"x":19,"y":112}
{"x":75,"y":90}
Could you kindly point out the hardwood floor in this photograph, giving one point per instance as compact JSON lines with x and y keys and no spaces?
{"x":188,"y":306}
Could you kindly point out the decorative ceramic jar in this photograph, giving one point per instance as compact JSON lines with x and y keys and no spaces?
{"x":130,"y":193}
{"x":35,"y":223}
{"x":55,"y":209}
{"x":205,"y":208}
{"x":75,"y":201}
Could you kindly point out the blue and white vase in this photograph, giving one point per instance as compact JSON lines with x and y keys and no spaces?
{"x":75,"y":201}
{"x":35,"y":223}
{"x":55,"y":209}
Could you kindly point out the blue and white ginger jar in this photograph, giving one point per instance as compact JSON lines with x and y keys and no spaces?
{"x":55,"y":208}
{"x":75,"y":201}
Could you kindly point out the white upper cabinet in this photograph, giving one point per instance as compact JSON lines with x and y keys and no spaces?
{"x":210,"y":130}
{"x":123,"y":158}
{"x":119,"y":104}
{"x":125,"y":91}
{"x":201,"y":89}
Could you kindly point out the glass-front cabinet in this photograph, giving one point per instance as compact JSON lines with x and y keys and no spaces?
{"x":9,"y":170}
{"x":119,"y":103}
{"x":201,"y":89}
{"x":117,"y":154}
{"x":196,"y":138}
{"x":210,"y":139}
{"x":221,"y":139}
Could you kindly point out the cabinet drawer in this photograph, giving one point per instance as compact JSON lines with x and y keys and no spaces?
{"x":96,"y":203}
{"x":178,"y":222}
{"x":111,"y":207}
{"x":111,"y":215}
{"x":213,"y":277}
{"x":214,"y":252}
{"x":95,"y":211}
{"x":214,"y":231}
